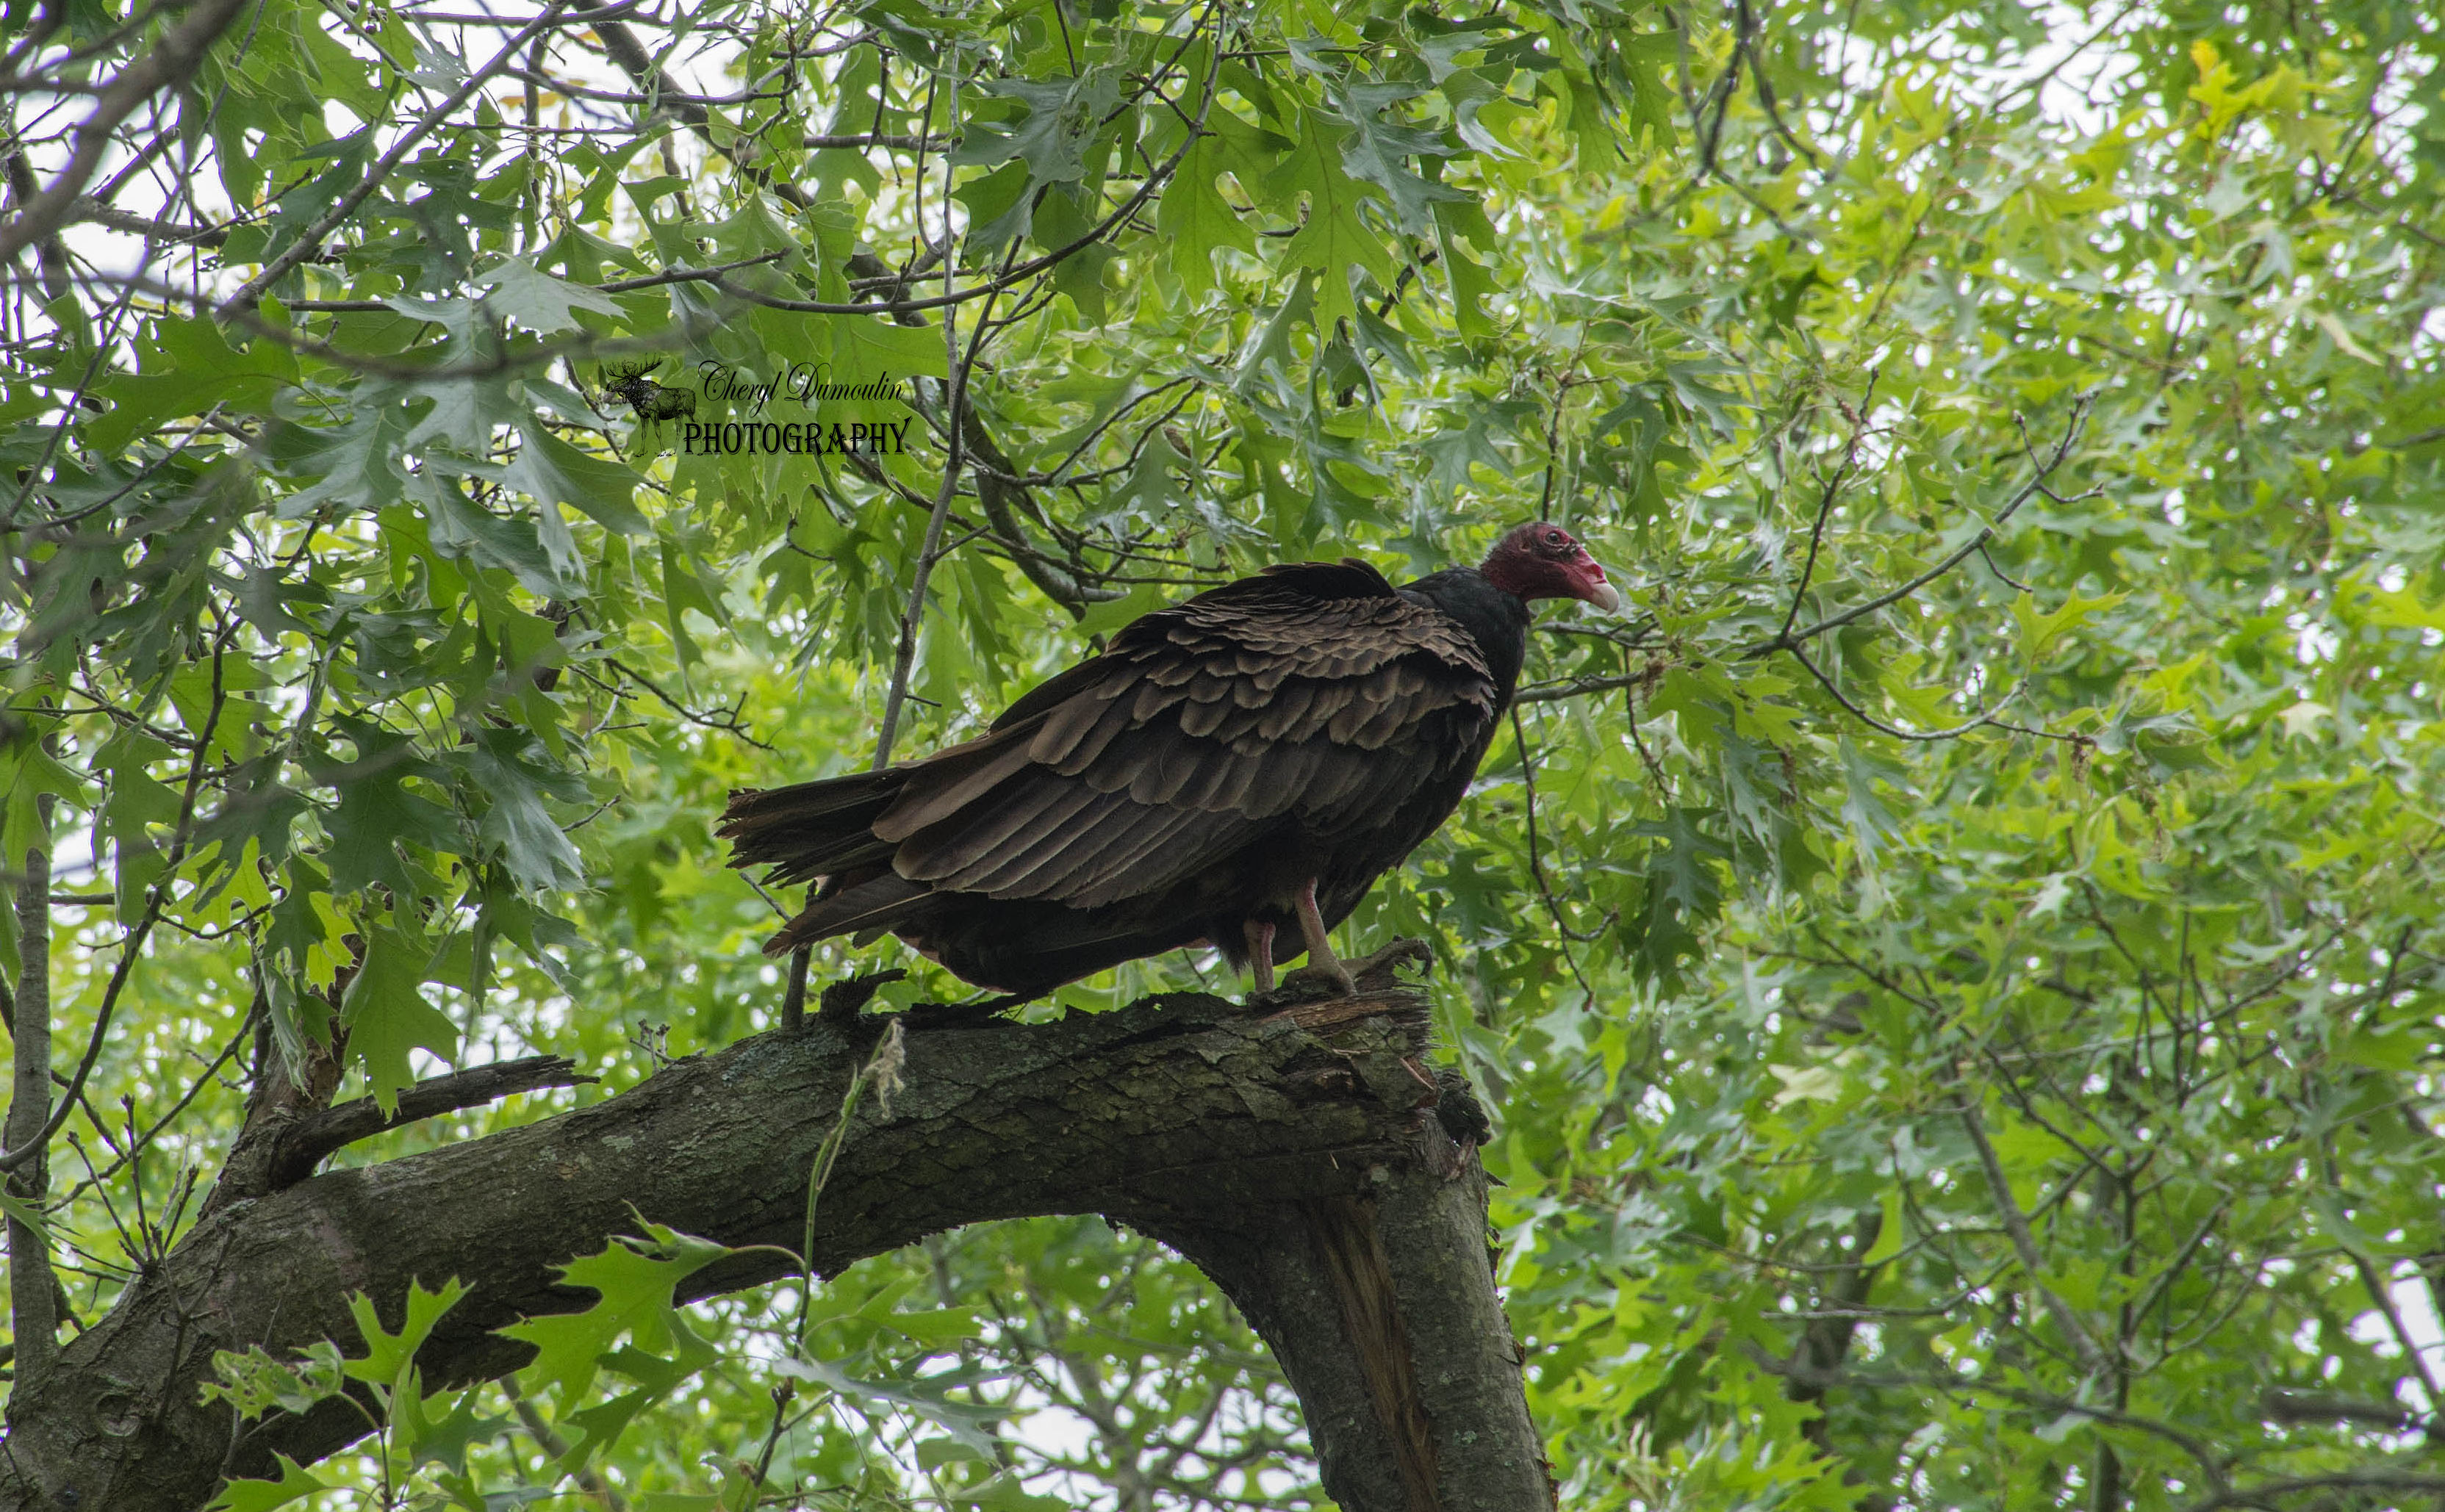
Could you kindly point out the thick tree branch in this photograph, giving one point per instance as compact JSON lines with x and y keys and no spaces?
{"x":282,"y":1148}
{"x":1297,"y":1165}
{"x":33,"y":1309}
{"x":335,"y":1128}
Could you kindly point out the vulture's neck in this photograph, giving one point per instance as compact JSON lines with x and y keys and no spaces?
{"x":1496,"y":620}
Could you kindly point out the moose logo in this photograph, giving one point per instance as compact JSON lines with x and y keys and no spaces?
{"x":653,"y":403}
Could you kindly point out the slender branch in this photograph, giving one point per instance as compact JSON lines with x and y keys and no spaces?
{"x":2037,"y":484}
{"x":899,"y":143}
{"x":1825,"y":503}
{"x":541,"y":354}
{"x":2304,"y":1407}
{"x":2016,"y":1225}
{"x":171,"y":63}
{"x":2212,"y":1464}
{"x":1057,"y":580}
{"x":1896,"y":731}
{"x":93,"y":209}
{"x":548,"y":1439}
{"x":617,"y":286}
{"x":1009,"y":277}
{"x":2381,"y":1296}
{"x":955,"y":401}
{"x":2263,"y":1492}
{"x":203,"y":1078}
{"x":1537,"y":859}
{"x":1548,"y":692}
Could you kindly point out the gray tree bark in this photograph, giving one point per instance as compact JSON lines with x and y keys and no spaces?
{"x":33,"y":1309}
{"x":1301,"y":1160}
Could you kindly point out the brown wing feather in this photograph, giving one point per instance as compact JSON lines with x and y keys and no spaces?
{"x":1111,"y":708}
{"x":943,"y":784}
{"x":1283,"y":774}
{"x":1179,"y":852}
{"x":1288,"y":709}
{"x":954,"y":852}
{"x":1244,"y":705}
{"x":1133,"y":831}
{"x":1030,"y":867}
{"x":875,"y":905}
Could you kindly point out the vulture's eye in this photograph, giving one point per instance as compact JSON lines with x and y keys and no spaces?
{"x":1555,"y":539}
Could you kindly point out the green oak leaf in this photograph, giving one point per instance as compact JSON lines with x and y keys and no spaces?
{"x":633,"y":1280}
{"x":386,"y":1015}
{"x":538,"y":300}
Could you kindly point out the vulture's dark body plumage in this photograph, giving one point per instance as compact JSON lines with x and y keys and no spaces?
{"x":1308,"y":726}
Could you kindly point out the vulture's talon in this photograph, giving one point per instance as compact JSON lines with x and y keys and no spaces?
{"x":1379,"y":972}
{"x":1334,"y":979}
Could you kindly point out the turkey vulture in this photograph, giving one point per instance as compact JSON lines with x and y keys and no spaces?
{"x":1237,"y":769}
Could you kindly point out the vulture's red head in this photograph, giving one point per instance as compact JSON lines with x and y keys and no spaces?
{"x":1541,"y":561}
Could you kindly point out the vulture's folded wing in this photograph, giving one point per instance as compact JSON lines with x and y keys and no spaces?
{"x":1315,"y":694}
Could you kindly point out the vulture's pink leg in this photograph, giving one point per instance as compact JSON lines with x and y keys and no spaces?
{"x":1320,"y":958}
{"x":1260,"y":954}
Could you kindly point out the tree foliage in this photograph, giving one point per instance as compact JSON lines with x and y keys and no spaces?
{"x":1953,"y":970}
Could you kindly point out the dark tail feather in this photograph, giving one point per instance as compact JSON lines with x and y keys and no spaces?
{"x":811,"y":829}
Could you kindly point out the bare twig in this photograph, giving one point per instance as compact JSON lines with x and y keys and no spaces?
{"x":1833,"y":491}
{"x":1548,"y":692}
{"x":1536,"y":860}
{"x":2043,"y":468}
{"x":1861,"y":715}
{"x":955,"y":401}
{"x":203,"y":1078}
{"x":617,"y":286}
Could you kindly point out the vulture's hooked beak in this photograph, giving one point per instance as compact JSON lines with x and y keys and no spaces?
{"x":1590,"y":580}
